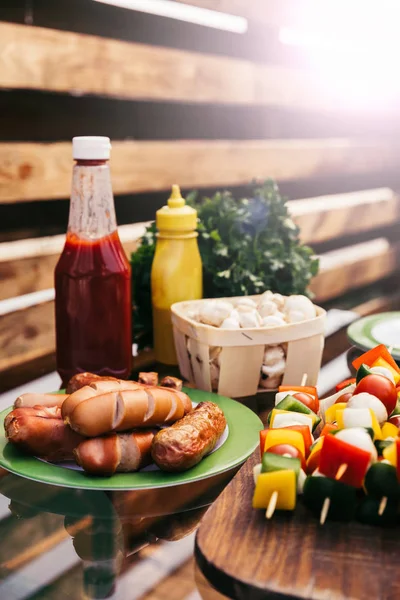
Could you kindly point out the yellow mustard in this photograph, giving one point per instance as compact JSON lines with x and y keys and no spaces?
{"x":176,"y":273}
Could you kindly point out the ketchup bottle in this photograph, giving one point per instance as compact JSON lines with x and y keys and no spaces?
{"x":93,"y":275}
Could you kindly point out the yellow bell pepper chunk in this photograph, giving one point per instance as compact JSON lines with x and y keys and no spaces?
{"x":389,"y":430}
{"x":330,"y":413}
{"x":381,"y":362}
{"x":318,"y":445}
{"x":390,"y":454}
{"x":283,"y":482}
{"x":285,"y":436}
{"x":375,"y":426}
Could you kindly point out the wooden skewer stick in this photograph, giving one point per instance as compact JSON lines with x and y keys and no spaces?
{"x":325,"y":510}
{"x":341,"y":471}
{"x":272,"y":505}
{"x":390,"y":349}
{"x":304,"y":380}
{"x":382,"y":506}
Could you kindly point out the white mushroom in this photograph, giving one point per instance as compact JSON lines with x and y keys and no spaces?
{"x":265,"y":297}
{"x":249,"y":319}
{"x":274,"y":370}
{"x":301,"y":304}
{"x":214,"y":312}
{"x":272,"y":355}
{"x":279,"y":300}
{"x":245,"y":301}
{"x":230,"y":323}
{"x":270,"y":383}
{"x":295,"y":316}
{"x":273,"y":321}
{"x":268,"y":308}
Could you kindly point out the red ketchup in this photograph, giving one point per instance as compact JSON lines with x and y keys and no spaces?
{"x":93,"y":275}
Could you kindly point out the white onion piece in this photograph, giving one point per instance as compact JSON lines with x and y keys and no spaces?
{"x":365,"y":400}
{"x":282,"y":395}
{"x":256,"y":472}
{"x":382,"y":371}
{"x":357,"y":417}
{"x":329,"y":401}
{"x":358,"y":437}
{"x":301,"y":481}
{"x":286,"y":420}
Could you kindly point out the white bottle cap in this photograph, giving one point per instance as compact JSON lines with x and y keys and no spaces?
{"x":91,"y":147}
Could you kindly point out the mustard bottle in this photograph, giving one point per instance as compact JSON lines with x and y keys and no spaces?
{"x":176,"y":273}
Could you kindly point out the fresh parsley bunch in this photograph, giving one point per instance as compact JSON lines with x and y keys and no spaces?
{"x":247,"y":246}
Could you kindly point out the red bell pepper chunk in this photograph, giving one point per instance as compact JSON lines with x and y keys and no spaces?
{"x":263,"y":436}
{"x":335,"y":453}
{"x":368,"y":358}
{"x":345,"y":383}
{"x":328,"y":428}
{"x":306,"y":389}
{"x":305,"y":432}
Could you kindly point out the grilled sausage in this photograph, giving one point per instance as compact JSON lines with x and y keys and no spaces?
{"x":121,"y":410}
{"x":39,"y":400}
{"x":150,"y":378}
{"x":172,"y":382}
{"x":122,"y":452}
{"x":41,"y":431}
{"x":184,"y":444}
{"x":81,"y":379}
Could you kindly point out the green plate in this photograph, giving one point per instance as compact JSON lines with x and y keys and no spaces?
{"x":243,"y":424}
{"x":384,"y":328}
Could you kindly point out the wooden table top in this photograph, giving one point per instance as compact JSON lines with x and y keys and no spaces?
{"x":246,"y":557}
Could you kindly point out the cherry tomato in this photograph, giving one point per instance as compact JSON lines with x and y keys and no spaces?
{"x":307,"y":400}
{"x":345,"y":383}
{"x":344,"y":398}
{"x":395,"y":420}
{"x":381,"y":387}
{"x":288,"y":449}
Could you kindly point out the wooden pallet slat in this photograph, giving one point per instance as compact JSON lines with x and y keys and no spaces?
{"x":335,"y":216}
{"x":33,"y":171}
{"x":30,"y":58}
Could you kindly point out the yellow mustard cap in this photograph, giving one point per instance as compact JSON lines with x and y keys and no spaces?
{"x":176,"y":215}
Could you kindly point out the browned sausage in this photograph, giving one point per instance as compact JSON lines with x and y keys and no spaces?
{"x":39,"y":400}
{"x":123,"y":452}
{"x":184,"y":444}
{"x":41,"y":432}
{"x":172,"y":382}
{"x":81,"y":379}
{"x":126,"y":409}
{"x":150,"y":378}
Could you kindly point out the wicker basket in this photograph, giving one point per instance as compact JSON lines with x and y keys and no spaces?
{"x":243,"y":349}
